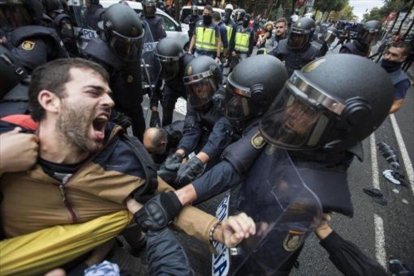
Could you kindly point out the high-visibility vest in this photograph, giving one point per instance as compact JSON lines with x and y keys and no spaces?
{"x":229,"y":32}
{"x":206,"y":38}
{"x":241,"y":42}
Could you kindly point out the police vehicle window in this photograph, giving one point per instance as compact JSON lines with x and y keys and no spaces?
{"x":168,"y":24}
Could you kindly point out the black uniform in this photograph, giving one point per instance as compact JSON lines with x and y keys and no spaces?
{"x":356,"y":48}
{"x":36,"y":45}
{"x":208,"y":131}
{"x":125,"y":82}
{"x":295,"y":60}
{"x":173,"y":89}
{"x":191,"y":20}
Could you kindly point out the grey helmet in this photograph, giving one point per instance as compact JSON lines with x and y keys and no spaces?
{"x":331,"y":104}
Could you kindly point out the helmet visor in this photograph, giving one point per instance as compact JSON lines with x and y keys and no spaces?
{"x":126,"y":47}
{"x":329,"y":37}
{"x":236,"y":105}
{"x":297,"y":40}
{"x":200,"y":89}
{"x":293,"y":122}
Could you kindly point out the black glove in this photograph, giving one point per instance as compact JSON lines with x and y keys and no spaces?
{"x":168,"y":170}
{"x":158,"y":212}
{"x":155,"y":119}
{"x":219,"y":100}
{"x":173,"y":161}
{"x":190,"y":171}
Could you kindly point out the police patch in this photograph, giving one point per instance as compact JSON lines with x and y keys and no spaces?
{"x":28,"y":45}
{"x":293,"y":240}
{"x":257,"y":141}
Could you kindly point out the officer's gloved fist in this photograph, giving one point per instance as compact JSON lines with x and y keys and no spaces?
{"x":219,"y":99}
{"x":168,"y":170}
{"x":190,"y":171}
{"x":158,"y":212}
{"x":155,"y":119}
{"x":173,"y":161}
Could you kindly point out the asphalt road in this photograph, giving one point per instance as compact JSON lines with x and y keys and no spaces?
{"x":381,"y":231}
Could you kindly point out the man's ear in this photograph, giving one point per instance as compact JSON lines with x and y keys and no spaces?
{"x":49,"y":101}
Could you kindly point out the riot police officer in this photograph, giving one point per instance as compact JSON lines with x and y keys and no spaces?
{"x":244,"y":39}
{"x":14,"y":98}
{"x":55,"y":16}
{"x":206,"y":38}
{"x":93,"y":14}
{"x":320,"y":122}
{"x":325,"y":40}
{"x":119,"y":50}
{"x":240,"y":13}
{"x":368,"y":35}
{"x":206,"y":131}
{"x":156,"y":27}
{"x":230,"y":27}
{"x":28,"y":38}
{"x":191,"y":20}
{"x":297,"y":50}
{"x":155,"y":22}
{"x":173,"y":62}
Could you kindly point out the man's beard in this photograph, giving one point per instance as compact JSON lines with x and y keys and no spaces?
{"x":75,"y":127}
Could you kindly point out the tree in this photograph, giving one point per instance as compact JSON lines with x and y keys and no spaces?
{"x":330,"y":5}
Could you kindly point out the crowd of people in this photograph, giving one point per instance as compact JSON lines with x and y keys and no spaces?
{"x":283,"y":126}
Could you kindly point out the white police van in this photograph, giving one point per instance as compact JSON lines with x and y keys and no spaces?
{"x":173,"y":28}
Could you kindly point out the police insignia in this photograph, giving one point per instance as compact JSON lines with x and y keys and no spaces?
{"x":28,"y":45}
{"x":130,"y":78}
{"x":257,"y":141}
{"x":293,"y":240}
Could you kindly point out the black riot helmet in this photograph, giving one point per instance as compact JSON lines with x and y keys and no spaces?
{"x":246,"y":20}
{"x":331,"y":104}
{"x":123,"y":31}
{"x":11,"y":71}
{"x":369,"y":33}
{"x":169,"y":53}
{"x":202,"y":78}
{"x":330,"y":35}
{"x":240,"y":13}
{"x":252,"y":86}
{"x":301,"y":33}
{"x":149,"y":7}
{"x":52,"y":7}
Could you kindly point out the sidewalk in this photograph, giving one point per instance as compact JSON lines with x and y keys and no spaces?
{"x":410,"y":73}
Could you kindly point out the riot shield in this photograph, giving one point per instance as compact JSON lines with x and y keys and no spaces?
{"x":284,"y":209}
{"x":150,"y":65}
